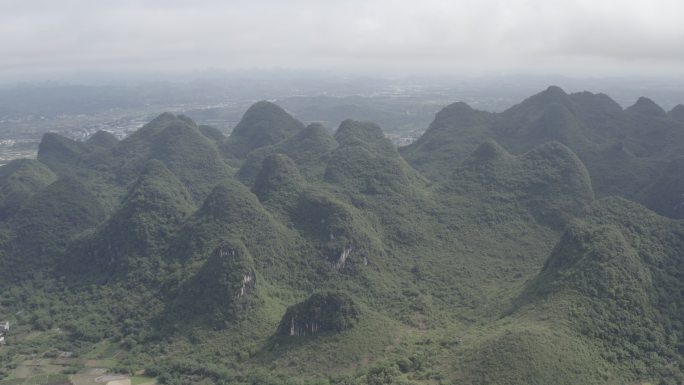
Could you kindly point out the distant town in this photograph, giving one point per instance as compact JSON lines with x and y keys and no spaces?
{"x":404,"y":108}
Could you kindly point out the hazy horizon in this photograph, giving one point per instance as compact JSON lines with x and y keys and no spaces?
{"x":44,"y":40}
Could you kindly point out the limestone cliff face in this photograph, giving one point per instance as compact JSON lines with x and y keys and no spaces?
{"x":223,"y":290}
{"x":248,"y":283}
{"x":322,"y":312}
{"x":348,"y":240}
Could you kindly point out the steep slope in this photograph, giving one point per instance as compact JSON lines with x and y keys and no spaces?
{"x":549,"y":181}
{"x":19,"y":180}
{"x":177,"y":142}
{"x":222,"y":292}
{"x":344,"y":238}
{"x":651,"y":131}
{"x":665,"y":195}
{"x":263,"y":124}
{"x":132,"y":239}
{"x":492,"y":223}
{"x":47,"y":222}
{"x":582,"y":121}
{"x":367,"y":162}
{"x":623,"y":150}
{"x":310,"y":149}
{"x":367,"y":171}
{"x":677,"y":113}
{"x":278,"y":183}
{"x":551,"y":115}
{"x":533,"y":353}
{"x":60,"y":154}
{"x":455,"y":132}
{"x":646,"y":106}
{"x":615,"y":276}
{"x":109,"y":168}
{"x":598,"y":108}
{"x":233,"y":212}
{"x":328,"y":312}
{"x":190,"y":156}
{"x":103,"y":139}
{"x":331,"y":259}
{"x":213,"y":133}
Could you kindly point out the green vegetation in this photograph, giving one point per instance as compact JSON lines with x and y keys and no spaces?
{"x":284,"y":254}
{"x":140,"y":380}
{"x":263,"y":124}
{"x":677,"y":113}
{"x":103,"y":139}
{"x":19,"y":180}
{"x":222,"y":291}
{"x":320,"y":313}
{"x":622,"y":149}
{"x":60,"y":153}
{"x":310,"y":149}
{"x":616,"y":272}
{"x":155,"y":207}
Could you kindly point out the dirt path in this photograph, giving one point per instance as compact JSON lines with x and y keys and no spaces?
{"x":126,"y":381}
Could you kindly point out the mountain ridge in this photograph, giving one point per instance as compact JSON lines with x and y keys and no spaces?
{"x":485,"y":252}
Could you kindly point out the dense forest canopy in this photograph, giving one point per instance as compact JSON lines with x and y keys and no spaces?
{"x":543,"y":244}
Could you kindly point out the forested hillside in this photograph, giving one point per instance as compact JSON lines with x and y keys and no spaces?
{"x":540,"y":245}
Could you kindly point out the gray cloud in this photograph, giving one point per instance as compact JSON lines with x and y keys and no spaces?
{"x":572,"y":36}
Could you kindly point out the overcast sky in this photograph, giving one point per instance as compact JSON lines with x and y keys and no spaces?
{"x":572,"y":37}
